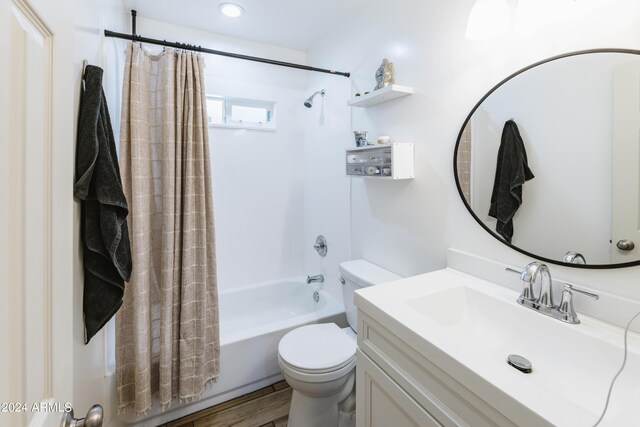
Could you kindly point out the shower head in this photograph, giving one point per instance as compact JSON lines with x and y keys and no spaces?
{"x":309,"y":102}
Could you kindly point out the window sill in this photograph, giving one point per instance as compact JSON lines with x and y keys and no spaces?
{"x":246,"y":127}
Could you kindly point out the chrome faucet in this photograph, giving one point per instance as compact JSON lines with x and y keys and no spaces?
{"x":544,"y":302}
{"x":319,"y":278}
{"x":528,"y":276}
{"x":574,"y":258}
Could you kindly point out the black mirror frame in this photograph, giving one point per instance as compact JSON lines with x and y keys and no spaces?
{"x":466,"y":121}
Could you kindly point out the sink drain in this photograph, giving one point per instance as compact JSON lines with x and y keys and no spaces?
{"x":522,"y":364}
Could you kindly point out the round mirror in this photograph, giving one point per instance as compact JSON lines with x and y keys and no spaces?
{"x":548,"y":161}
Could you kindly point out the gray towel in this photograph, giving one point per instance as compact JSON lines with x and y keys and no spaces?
{"x":103,"y":227}
{"x":512,"y":171}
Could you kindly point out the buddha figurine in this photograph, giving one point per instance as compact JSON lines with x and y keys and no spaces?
{"x":384,"y":74}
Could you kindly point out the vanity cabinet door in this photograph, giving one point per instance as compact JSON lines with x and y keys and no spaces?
{"x":382,"y":402}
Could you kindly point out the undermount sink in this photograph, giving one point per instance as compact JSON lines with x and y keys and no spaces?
{"x":479,"y":324}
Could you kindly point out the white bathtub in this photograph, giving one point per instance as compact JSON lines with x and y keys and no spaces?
{"x":252,"y":320}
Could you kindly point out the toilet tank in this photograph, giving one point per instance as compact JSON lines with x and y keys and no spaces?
{"x":358,"y":274}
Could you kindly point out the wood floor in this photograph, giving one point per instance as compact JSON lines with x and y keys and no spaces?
{"x":267,"y":407}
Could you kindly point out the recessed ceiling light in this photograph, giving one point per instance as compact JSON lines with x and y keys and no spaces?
{"x":231,"y":10}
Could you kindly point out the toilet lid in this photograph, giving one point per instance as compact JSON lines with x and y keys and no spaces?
{"x":319,"y":347}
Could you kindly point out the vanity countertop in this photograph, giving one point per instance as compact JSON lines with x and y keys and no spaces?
{"x":469,"y":326}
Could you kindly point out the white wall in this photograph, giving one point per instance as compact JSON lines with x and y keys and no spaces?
{"x":257,"y":175}
{"x":326,"y":193}
{"x":406,"y":226}
{"x":564,"y":113}
{"x":91,"y":383}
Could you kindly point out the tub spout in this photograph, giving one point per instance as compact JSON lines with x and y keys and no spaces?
{"x":318,"y":278}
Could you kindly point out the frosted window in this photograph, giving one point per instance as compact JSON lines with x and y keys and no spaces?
{"x":215,"y":111}
{"x":240,"y":113}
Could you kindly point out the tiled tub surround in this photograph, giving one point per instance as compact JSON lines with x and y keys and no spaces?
{"x":252,"y":320}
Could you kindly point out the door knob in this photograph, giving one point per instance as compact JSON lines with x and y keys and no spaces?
{"x":93,"y":418}
{"x":625,"y":245}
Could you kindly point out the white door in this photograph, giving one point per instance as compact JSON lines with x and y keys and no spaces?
{"x":36,"y":178}
{"x":625,"y":212}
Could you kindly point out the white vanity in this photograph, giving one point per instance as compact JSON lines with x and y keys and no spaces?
{"x":433,"y":348}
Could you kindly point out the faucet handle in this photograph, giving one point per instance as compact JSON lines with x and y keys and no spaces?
{"x":527,"y":284}
{"x":565,"y":308}
{"x":512,"y":270}
{"x":572,"y":288}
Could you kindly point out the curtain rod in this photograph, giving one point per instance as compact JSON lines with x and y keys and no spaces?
{"x":136,"y":38}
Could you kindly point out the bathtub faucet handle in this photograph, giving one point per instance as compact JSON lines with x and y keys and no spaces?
{"x":321,"y":246}
{"x":318,"y":278}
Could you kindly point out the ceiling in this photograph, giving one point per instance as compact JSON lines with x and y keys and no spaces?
{"x":295,"y":24}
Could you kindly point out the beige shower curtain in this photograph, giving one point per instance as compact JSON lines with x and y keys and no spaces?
{"x":167,"y":338}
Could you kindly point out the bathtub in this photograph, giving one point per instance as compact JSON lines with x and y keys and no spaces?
{"x":252,"y":320}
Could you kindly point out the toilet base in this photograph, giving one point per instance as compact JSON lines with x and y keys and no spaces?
{"x":308,"y":411}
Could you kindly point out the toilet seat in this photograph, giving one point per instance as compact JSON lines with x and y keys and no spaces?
{"x":317,"y":353}
{"x":316,"y":377}
{"x":318,"y":371}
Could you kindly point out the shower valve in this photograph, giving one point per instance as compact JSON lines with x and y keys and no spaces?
{"x":321,"y":245}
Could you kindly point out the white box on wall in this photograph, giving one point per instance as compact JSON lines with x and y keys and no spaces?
{"x":382,"y":161}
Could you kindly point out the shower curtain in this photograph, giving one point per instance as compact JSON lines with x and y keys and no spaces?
{"x":167,"y":332}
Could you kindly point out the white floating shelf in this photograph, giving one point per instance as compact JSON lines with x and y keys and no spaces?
{"x":382,"y":95}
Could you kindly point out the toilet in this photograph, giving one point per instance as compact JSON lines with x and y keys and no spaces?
{"x":318,"y":361}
